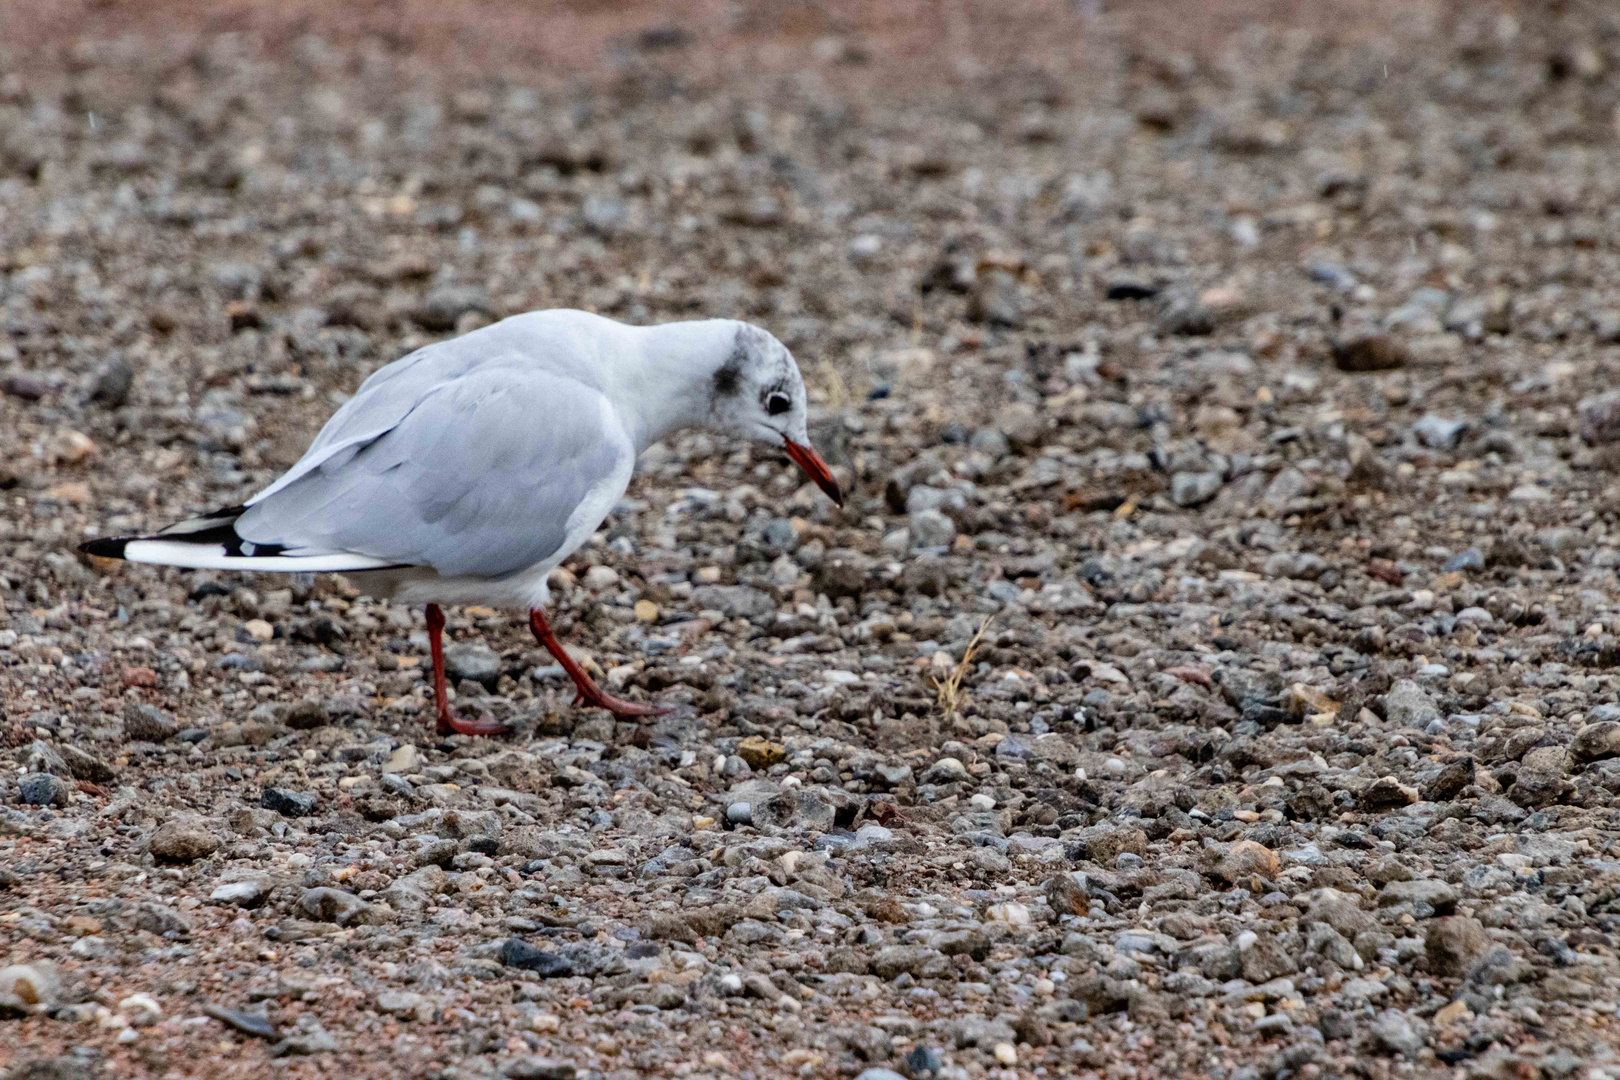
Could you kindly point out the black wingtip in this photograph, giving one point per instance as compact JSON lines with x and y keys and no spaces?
{"x":107,"y":547}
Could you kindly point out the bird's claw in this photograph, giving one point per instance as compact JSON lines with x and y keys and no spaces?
{"x":451,"y":724}
{"x":619,"y":707}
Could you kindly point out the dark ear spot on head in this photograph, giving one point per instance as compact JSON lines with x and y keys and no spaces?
{"x":726,"y":380}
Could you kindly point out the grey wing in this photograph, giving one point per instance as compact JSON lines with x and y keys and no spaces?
{"x":486,"y":475}
{"x":384,"y":400}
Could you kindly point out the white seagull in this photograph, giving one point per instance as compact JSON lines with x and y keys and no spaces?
{"x":468,"y":470}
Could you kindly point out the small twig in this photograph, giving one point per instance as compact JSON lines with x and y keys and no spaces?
{"x":950,"y":688}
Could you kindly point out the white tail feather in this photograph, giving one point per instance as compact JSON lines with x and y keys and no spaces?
{"x":213,"y":557}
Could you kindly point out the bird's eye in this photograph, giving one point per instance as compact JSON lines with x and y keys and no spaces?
{"x":777,"y":404}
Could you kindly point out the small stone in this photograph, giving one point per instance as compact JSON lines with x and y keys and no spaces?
{"x":761,"y":753}
{"x":245,"y":1022}
{"x":1244,"y":858}
{"x":922,"y":1059}
{"x":442,"y":308}
{"x":1454,"y":943}
{"x":891,"y":775}
{"x":1453,"y":777}
{"x":1189,"y":489}
{"x":886,"y":1074}
{"x":1011,"y":913}
{"x":1399,"y":1033}
{"x":182,"y":839}
{"x":1600,"y":418}
{"x":43,"y":789}
{"x":1426,"y":895}
{"x":288,"y":803}
{"x":1386,"y":793}
{"x":32,"y":984}
{"x":996,"y":300}
{"x":306,"y":715}
{"x":646,"y":611}
{"x":1438,"y":432}
{"x":947,"y":770}
{"x":40,"y":757}
{"x":1596,"y":742}
{"x":473,"y":661}
{"x":146,"y":723}
{"x":142,"y":1009}
{"x":403,"y":761}
{"x":247,"y":894}
{"x":1006,"y":1054}
{"x":598,"y":578}
{"x":1457,"y":1012}
{"x":402,"y":1003}
{"x":515,"y":952}
{"x":1066,"y":895}
{"x":1376,"y":352}
{"x":84,"y":765}
{"x":112,"y":383}
{"x":930,"y":529}
{"x":740,"y":813}
{"x":1408,"y":705}
{"x":538,"y":1068}
{"x":734,"y":601}
{"x":334,"y":906}
{"x":259,"y":630}
{"x":306,"y":1045}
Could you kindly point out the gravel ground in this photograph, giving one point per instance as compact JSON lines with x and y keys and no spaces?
{"x":1210,"y":676}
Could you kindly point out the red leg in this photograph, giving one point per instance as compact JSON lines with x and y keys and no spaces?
{"x":589,"y":692}
{"x":449,"y":723}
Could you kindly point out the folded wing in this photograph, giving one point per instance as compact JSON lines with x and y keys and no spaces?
{"x":485,"y":473}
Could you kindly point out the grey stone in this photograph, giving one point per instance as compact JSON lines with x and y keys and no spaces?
{"x":1453,"y":945}
{"x":182,"y":839}
{"x":43,"y":789}
{"x":288,"y":803}
{"x":442,"y":308}
{"x":1409,"y":705}
{"x":931,"y":529}
{"x":538,"y":1068}
{"x":473,"y":661}
{"x":734,"y":601}
{"x":1438,"y":432}
{"x":334,"y":906}
{"x":515,"y":952}
{"x":1188,"y":489}
{"x":147,"y":723}
{"x":1595,"y":742}
{"x":1399,"y":1033}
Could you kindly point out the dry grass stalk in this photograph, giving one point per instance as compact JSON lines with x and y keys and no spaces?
{"x":950,"y":687}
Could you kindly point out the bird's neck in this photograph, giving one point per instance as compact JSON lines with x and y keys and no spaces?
{"x":670,"y":387}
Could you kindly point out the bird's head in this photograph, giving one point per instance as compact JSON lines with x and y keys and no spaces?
{"x":759,"y":394}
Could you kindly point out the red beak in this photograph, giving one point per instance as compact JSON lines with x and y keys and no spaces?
{"x":814,"y":467}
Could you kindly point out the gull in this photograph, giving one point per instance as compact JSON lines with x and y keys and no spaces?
{"x":465,"y":472}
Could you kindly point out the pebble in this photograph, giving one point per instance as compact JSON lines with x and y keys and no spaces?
{"x":288,"y":803}
{"x":43,"y":789}
{"x":247,"y":893}
{"x":475,"y":662}
{"x":145,"y":723}
{"x":245,"y":1022}
{"x":547,"y":965}
{"x":183,"y":839}
{"x":538,"y":1068}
